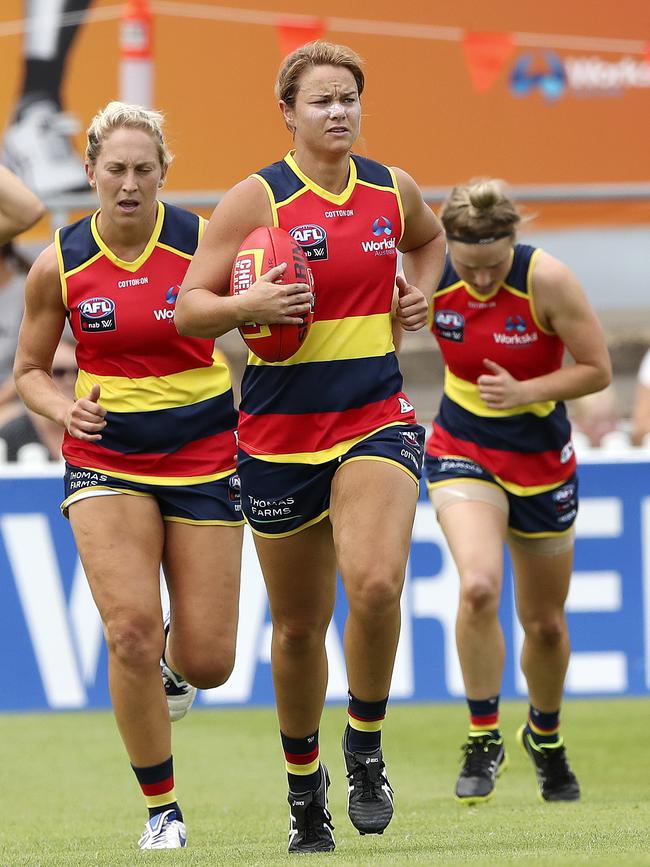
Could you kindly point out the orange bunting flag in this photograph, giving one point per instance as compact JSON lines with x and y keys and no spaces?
{"x":485,"y":56}
{"x":294,"y":32}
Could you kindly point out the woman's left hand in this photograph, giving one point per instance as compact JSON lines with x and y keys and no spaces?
{"x":412,"y":306}
{"x":499,"y":389}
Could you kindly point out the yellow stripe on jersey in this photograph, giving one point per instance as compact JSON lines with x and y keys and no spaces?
{"x":466,"y":395}
{"x":335,"y":199}
{"x":175,"y":250}
{"x":322,"y":456}
{"x":531,"y":293}
{"x":148,"y":393}
{"x":269,"y":193}
{"x":514,"y":291}
{"x":136,"y":264}
{"x":398,"y":196}
{"x":341,"y":340}
{"x":64,"y":276}
{"x":59,"y":259}
{"x":457,"y":285}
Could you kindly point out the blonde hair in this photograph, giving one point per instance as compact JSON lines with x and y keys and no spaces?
{"x":117,"y":115}
{"x":315,"y":54}
{"x":479,"y":212}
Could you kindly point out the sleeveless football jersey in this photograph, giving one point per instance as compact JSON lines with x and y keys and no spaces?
{"x":527,"y":448}
{"x":344,"y":382}
{"x":170,"y":414}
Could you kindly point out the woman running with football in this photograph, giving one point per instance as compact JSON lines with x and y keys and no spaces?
{"x":500,"y":468}
{"x":149,"y":445}
{"x":329,"y":449}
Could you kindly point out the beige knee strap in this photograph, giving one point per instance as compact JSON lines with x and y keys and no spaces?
{"x":443,"y":496}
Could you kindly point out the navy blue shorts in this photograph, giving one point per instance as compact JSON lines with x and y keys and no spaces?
{"x":552,"y":511}
{"x":279,"y":499}
{"x":217,"y":502}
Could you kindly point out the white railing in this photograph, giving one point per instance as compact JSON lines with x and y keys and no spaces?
{"x":60,"y":207}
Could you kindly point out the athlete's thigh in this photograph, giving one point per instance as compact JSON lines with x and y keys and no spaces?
{"x":120,"y":543}
{"x":475,"y":532}
{"x":372,"y":511}
{"x":300,"y":574}
{"x":541,"y":581}
{"x":202,"y":565}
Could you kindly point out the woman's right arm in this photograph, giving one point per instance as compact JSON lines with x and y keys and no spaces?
{"x":204,"y":307}
{"x":40,"y":333}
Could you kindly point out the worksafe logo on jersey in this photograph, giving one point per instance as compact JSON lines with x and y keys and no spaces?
{"x":516,"y":333}
{"x":166,"y":314}
{"x":312,"y":239}
{"x":516,"y":323}
{"x":381,"y":228}
{"x":97,"y":314}
{"x":172,"y":294}
{"x":450,"y":325}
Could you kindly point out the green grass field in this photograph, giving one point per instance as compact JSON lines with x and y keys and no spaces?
{"x":70,"y":798}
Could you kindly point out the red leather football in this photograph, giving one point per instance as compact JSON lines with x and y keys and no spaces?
{"x":260,"y":251}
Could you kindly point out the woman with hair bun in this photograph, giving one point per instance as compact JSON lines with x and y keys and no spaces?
{"x":500,"y":467}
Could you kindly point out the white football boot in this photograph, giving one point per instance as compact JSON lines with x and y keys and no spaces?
{"x":164,"y":831}
{"x":180,"y":694}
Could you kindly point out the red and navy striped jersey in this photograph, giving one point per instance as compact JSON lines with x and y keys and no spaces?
{"x":170,"y":414}
{"x":344,"y":382}
{"x":527,"y":448}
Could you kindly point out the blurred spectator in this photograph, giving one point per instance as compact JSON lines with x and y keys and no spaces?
{"x":13,"y":270}
{"x":595,"y":416}
{"x":37,"y":142}
{"x":27,"y":428}
{"x":641,"y":411}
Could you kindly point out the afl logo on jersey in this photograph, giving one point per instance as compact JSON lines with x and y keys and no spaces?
{"x":97,"y":314}
{"x":450,"y":325}
{"x":312,"y":239}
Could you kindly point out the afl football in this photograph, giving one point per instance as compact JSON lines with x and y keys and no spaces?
{"x":260,"y":251}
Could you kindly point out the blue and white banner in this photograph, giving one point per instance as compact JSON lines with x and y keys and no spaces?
{"x":54,"y":657}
